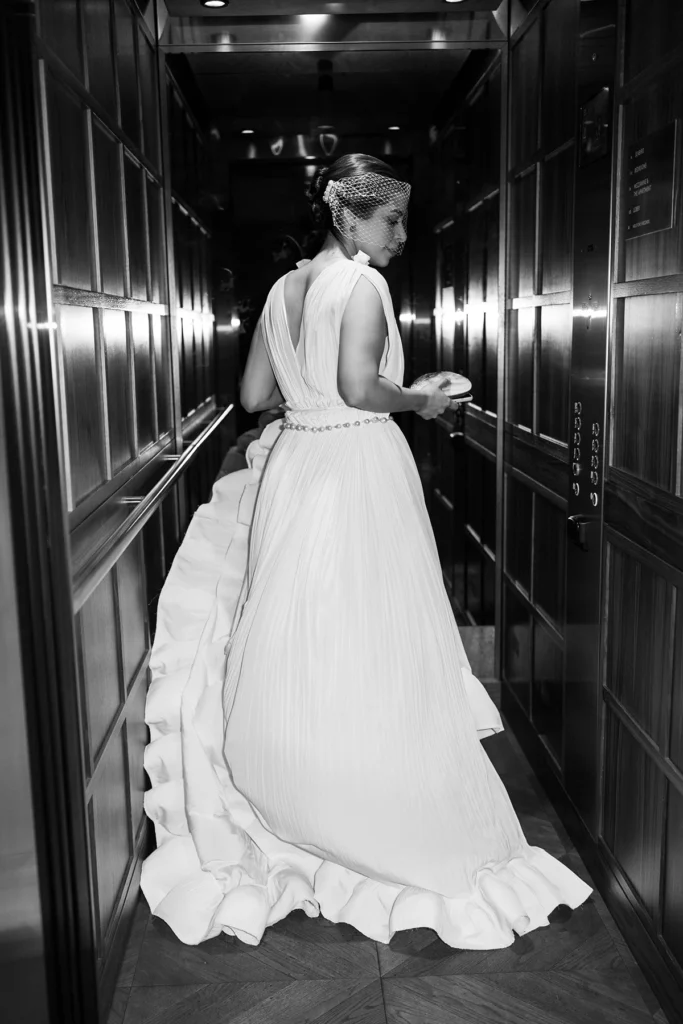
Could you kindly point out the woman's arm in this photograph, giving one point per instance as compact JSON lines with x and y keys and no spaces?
{"x":258,"y":389}
{"x":361,"y":344}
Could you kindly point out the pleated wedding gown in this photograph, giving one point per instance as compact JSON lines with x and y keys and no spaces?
{"x":333,"y":761}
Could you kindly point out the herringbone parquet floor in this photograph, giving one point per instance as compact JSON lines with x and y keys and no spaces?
{"x":577,"y":971}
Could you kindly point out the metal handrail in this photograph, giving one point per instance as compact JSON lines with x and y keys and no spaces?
{"x":89,"y":578}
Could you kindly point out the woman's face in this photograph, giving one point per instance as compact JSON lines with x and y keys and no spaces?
{"x":383,"y":234}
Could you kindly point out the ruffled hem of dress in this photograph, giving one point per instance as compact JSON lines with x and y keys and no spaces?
{"x":506,"y":900}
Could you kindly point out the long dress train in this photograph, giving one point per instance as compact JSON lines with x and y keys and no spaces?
{"x":332,"y":761}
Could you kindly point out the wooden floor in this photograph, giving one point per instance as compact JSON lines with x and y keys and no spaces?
{"x":577,"y":971}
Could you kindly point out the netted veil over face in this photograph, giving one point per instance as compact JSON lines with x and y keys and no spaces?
{"x":371,"y":209}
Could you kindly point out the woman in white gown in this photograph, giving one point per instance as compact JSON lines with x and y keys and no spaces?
{"x":332,"y":761}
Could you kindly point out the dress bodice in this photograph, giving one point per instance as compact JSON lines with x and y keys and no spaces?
{"x":307,"y":375}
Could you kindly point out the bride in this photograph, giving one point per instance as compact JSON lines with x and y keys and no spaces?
{"x":315,"y":726}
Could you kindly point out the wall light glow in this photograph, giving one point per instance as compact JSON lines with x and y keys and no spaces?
{"x":314,"y":19}
{"x":407,"y":318}
{"x":235,"y":322}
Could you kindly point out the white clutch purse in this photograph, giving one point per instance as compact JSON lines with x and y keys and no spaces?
{"x":458,"y":386}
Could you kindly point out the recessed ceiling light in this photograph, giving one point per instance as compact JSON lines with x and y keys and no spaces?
{"x":247,"y":131}
{"x":453,"y":1}
{"x":215,"y":3}
{"x":394,"y":128}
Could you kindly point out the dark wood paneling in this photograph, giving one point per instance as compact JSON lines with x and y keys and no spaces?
{"x":108,"y":196}
{"x":524,"y":122}
{"x":517,"y":647}
{"x":633,"y":508}
{"x":543,"y":462}
{"x":144,"y":384}
{"x":557,"y":221}
{"x":650,"y":38}
{"x":137,"y":738}
{"x":162,"y":356}
{"x":100,"y":54}
{"x":82,"y":387}
{"x":553,"y":371}
{"x":550,"y":533}
{"x":137,"y":235}
{"x":130,"y":581}
{"x":126,"y":59}
{"x":518,"y":507}
{"x":634,"y":812}
{"x":100,"y":661}
{"x":548,"y":689}
{"x":559,"y":61}
{"x":640,"y":642}
{"x":148,"y":92}
{"x":648,"y":360}
{"x":111,"y":827}
{"x":157,"y":255}
{"x":672,"y":921}
{"x":522,"y":279}
{"x":70,"y":190}
{"x":520,"y":383}
{"x":118,"y":386}
{"x":60,"y":29}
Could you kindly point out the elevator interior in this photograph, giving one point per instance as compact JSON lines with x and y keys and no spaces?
{"x":152,"y":154}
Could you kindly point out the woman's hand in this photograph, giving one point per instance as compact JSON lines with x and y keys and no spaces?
{"x":437,"y":401}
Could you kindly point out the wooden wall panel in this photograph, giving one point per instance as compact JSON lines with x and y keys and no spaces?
{"x":100,"y":53}
{"x":640,"y":642}
{"x":672,"y":919}
{"x":557,"y":221}
{"x":132,"y":606}
{"x":162,"y":373}
{"x":560,"y":32}
{"x":649,"y":38}
{"x":108,"y":198}
{"x":70,"y":189}
{"x":144,"y":383}
{"x":517,"y":639}
{"x":553,"y":371}
{"x":115,"y":337}
{"x":87,"y":466}
{"x":157,"y":254}
{"x":646,"y":438}
{"x":136,"y":222}
{"x":550,"y":532}
{"x":60,"y":28}
{"x":98,"y":628}
{"x":548,"y":688}
{"x":524,"y":121}
{"x":126,"y":60}
{"x":519,"y":506}
{"x":523,"y":235}
{"x":136,"y":740}
{"x":520,"y":381}
{"x":634,"y":810}
{"x":111,"y":827}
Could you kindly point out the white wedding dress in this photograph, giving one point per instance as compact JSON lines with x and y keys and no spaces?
{"x":333,"y":762}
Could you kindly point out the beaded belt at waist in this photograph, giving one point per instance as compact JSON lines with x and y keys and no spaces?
{"x":288,"y":425}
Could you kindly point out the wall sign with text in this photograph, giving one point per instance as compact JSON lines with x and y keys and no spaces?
{"x":650,"y":183}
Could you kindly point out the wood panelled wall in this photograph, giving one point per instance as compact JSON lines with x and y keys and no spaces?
{"x":131,"y":279}
{"x":641,"y":833}
{"x":462,"y":490}
{"x":541,"y":157}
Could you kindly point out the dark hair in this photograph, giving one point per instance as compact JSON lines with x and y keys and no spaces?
{"x":349,"y":166}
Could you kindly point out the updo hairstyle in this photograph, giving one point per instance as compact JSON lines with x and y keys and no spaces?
{"x":349,"y":166}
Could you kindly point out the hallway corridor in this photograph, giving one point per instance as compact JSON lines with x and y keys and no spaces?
{"x":578,"y":971}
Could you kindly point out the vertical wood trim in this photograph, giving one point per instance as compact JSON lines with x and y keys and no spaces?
{"x":174,"y":353}
{"x":103,"y":404}
{"x":95,"y":269}
{"x":47,"y":161}
{"x":124,"y":218}
{"x":503,"y":257}
{"x":132,"y":392}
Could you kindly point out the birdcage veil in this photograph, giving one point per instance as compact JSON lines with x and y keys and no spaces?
{"x":371,"y":208}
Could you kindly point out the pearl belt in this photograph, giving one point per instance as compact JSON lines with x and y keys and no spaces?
{"x":334,"y":426}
